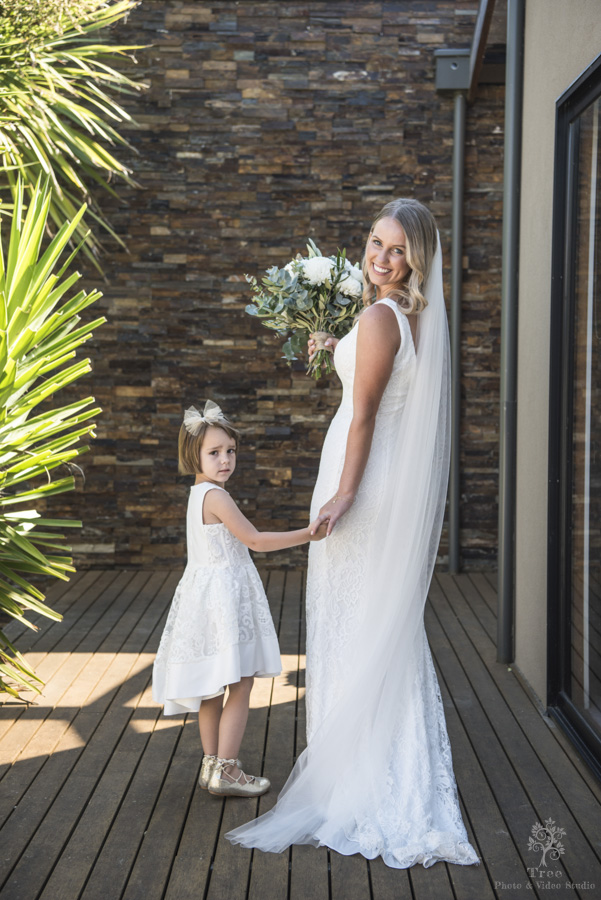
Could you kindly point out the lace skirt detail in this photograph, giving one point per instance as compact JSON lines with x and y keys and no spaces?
{"x":419,"y":819}
{"x":219,"y":629}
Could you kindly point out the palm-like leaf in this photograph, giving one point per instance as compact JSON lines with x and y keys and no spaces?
{"x":39,"y":334}
{"x":57,"y":112}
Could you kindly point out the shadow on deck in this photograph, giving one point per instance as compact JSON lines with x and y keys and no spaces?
{"x":98,"y":794}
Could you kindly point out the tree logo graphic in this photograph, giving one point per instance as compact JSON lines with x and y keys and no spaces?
{"x":547,"y":838}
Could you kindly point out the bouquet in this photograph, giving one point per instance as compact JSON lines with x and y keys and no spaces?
{"x":311,"y":294}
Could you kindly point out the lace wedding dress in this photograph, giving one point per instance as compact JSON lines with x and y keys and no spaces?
{"x":377,"y":775}
{"x":421,"y":820}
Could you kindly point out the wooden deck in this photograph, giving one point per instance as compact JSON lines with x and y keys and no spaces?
{"x":98,"y":795}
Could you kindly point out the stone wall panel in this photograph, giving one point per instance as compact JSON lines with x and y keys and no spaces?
{"x":265,"y":124}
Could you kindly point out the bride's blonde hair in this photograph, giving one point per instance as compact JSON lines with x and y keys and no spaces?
{"x":421,"y":235}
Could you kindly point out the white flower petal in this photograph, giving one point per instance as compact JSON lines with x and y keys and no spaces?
{"x":317,"y":269}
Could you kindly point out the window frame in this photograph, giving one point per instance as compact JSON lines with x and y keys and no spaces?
{"x":584,"y":91}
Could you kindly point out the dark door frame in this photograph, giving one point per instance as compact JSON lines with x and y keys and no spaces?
{"x":570,"y":105}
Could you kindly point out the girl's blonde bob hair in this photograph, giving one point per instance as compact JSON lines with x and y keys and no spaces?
{"x":190,"y":445}
{"x":421,"y":235}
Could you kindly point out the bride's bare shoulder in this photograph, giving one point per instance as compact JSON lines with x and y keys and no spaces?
{"x":376,"y":323}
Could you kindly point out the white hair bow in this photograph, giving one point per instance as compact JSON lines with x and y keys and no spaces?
{"x":212,"y":415}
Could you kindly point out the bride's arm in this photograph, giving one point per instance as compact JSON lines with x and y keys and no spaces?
{"x":378,"y":340}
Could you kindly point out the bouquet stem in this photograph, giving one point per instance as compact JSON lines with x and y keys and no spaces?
{"x":323,"y":357}
{"x":321,"y":360}
{"x":320,"y":338}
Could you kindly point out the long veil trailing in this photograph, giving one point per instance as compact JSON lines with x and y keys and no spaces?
{"x":338,"y":793}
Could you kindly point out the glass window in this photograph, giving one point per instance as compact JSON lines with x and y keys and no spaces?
{"x":585,"y":639}
{"x":574,"y":560}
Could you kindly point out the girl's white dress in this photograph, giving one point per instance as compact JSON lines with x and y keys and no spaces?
{"x":219,"y":628}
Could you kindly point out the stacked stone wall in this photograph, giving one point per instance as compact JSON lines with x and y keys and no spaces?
{"x":264,"y":124}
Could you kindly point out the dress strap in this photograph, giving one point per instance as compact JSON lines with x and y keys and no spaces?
{"x":204,"y":486}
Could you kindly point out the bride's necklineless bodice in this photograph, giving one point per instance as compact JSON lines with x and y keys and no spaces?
{"x":395,"y":393}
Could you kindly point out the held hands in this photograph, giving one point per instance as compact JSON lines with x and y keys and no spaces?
{"x":330,"y":512}
{"x":319,"y":534}
{"x":330,"y":345}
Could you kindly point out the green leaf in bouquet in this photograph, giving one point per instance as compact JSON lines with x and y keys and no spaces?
{"x":342,"y":300}
{"x":299,"y":341}
{"x":288,"y":351}
{"x":251,"y":309}
{"x":304,"y":303}
{"x":313,"y":249}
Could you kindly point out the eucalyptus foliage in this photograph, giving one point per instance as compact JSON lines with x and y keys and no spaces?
{"x":40,"y":331}
{"x":310,"y":294}
{"x":58,"y":114}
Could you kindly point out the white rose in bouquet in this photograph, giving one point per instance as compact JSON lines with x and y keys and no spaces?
{"x":352,"y":284}
{"x":318,"y":269}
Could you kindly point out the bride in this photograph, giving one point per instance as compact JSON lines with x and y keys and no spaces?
{"x":377,"y":775}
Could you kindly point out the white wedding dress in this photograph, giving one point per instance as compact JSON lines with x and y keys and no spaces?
{"x":421,"y":821}
{"x":377,"y":775}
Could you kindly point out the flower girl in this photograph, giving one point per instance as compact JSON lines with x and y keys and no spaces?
{"x":219,"y":630}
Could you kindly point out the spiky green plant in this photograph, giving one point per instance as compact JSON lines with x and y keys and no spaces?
{"x":40,"y":330}
{"x":58,"y":113}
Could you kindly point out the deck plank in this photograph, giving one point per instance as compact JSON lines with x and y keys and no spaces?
{"x":489,"y":830}
{"x":269,"y":874}
{"x":529,"y":713}
{"x":69,"y":688}
{"x":565,"y":789}
{"x":99,"y":791}
{"x":309,"y":874}
{"x":388,"y":883}
{"x":202,"y":831}
{"x":154,"y":860}
{"x":232,"y":863}
{"x":80,"y":852}
{"x":24,"y":721}
{"x":101,"y":592}
{"x":60,"y":596}
{"x":49,"y":836}
{"x":51,"y":778}
{"x":522,"y":788}
{"x":349,"y":877}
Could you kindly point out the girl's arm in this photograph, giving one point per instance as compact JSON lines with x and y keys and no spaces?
{"x":378,"y":341}
{"x":221,"y":505}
